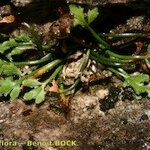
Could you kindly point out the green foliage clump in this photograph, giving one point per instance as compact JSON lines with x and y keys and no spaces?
{"x":13,"y":80}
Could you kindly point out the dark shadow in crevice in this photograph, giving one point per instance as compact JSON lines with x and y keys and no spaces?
{"x":115,"y":14}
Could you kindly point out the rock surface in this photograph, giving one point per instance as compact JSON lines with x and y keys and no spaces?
{"x":99,"y":119}
{"x":125,"y":125}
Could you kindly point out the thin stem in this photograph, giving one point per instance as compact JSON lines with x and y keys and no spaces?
{"x":41,"y":70}
{"x":148,"y":62}
{"x":111,"y":62}
{"x":98,"y":38}
{"x":60,"y":82}
{"x":122,"y":35}
{"x":34,"y":62}
{"x":71,"y":87}
{"x":125,"y":56}
{"x":85,"y":61}
{"x":53,"y":75}
{"x":46,"y":47}
{"x":117,"y":72}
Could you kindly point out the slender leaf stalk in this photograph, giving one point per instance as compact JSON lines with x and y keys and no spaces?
{"x":127,"y":57}
{"x":98,"y":38}
{"x":111,"y":62}
{"x":77,"y":81}
{"x":55,"y":73}
{"x":117,"y":72}
{"x":85,"y":61}
{"x":42,"y":70}
{"x":34,"y":62}
{"x":122,"y":35}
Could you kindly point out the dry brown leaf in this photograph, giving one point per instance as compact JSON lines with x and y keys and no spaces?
{"x":54,"y":87}
{"x":8,"y":19}
{"x":139,"y":46}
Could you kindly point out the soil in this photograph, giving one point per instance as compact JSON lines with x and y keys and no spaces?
{"x":102,"y":115}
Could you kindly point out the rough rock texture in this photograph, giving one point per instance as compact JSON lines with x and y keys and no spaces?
{"x":32,"y":9}
{"x":5,"y":10}
{"x":99,"y":119}
{"x":103,"y":2}
{"x":124,"y":126}
{"x":28,"y":3}
{"x":98,"y":2}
